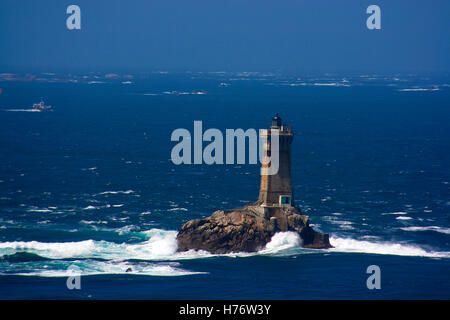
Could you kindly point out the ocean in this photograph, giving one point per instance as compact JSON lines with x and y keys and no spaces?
{"x":90,"y":186}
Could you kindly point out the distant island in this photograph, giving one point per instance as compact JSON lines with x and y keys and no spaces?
{"x":251,"y":227}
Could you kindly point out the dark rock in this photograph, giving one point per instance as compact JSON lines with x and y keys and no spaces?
{"x":247,"y":229}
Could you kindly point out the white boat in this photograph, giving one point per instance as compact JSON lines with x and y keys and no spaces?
{"x":41,"y":106}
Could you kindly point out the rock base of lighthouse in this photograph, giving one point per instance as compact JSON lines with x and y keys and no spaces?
{"x":247,"y":229}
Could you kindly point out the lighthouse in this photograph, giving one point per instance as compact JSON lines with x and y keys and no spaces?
{"x":251,"y":227}
{"x":276,"y":190}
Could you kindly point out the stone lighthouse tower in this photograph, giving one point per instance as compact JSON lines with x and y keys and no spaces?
{"x":251,"y":227}
{"x":276,"y":189}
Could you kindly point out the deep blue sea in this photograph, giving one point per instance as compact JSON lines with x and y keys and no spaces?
{"x":91,"y":186}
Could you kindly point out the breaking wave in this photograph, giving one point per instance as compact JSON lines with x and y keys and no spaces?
{"x":157,"y":254}
{"x":289,"y":243}
{"x":159,"y":245}
{"x":403,"y":218}
{"x":21,"y":110}
{"x":153,"y":257}
{"x":117,"y":192}
{"x":394,"y":213}
{"x":387,"y":248}
{"x":282,"y":241}
{"x":93,"y":267}
{"x":418,"y":89}
{"x":430,"y":228}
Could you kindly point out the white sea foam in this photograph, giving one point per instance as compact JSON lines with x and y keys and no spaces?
{"x":333,"y":84}
{"x":117,"y":192}
{"x":93,"y":222}
{"x":368,"y":237}
{"x":96,"y":82}
{"x":429,"y":228}
{"x":325,"y":84}
{"x":93,"y":267}
{"x":418,"y":89}
{"x":177,"y":209}
{"x":90,"y":208}
{"x":403,"y":218}
{"x":39,"y":210}
{"x":282,"y":241}
{"x":387,"y":248}
{"x":394,"y":213}
{"x":161,"y":245}
{"x":50,"y":250}
{"x":126,"y":229}
{"x":89,"y":169}
{"x":22,"y":110}
{"x":342,"y":223}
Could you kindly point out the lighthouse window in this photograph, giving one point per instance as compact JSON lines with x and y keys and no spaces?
{"x":285,"y":200}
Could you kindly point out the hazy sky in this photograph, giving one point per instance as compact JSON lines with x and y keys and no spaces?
{"x":228,"y":35}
